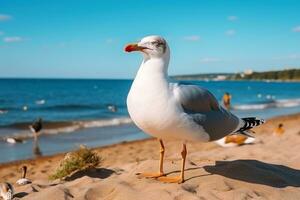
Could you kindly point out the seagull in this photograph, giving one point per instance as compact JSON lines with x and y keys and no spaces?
{"x":13,"y":140}
{"x":168,"y":110}
{"x":6,"y":191}
{"x":23,"y":180}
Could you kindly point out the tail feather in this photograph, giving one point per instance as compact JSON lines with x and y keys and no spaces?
{"x":248,"y":124}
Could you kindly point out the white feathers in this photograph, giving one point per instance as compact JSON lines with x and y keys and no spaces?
{"x":6,"y":191}
{"x":167,"y":112}
{"x":23,"y":181}
{"x":12,"y":140}
{"x":151,"y":102}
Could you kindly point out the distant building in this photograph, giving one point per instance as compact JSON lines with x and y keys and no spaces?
{"x":220,"y":78}
{"x":248,"y":72}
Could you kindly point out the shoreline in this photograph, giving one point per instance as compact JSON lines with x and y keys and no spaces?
{"x":262,"y":130}
{"x":241,"y":80}
{"x":260,"y":170}
{"x":85,"y":132}
{"x":46,"y":157}
{"x":61,"y":127}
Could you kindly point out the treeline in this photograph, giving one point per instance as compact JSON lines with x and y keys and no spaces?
{"x":289,"y":74}
{"x":202,"y":76}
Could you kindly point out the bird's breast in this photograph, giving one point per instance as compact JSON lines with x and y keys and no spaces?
{"x":149,"y":108}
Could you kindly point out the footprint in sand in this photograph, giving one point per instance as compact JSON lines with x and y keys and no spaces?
{"x":190,"y":188}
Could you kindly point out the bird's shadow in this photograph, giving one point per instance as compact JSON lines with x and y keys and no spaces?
{"x":100,"y":173}
{"x":189,"y":169}
{"x":254,"y":171}
{"x":20,"y":194}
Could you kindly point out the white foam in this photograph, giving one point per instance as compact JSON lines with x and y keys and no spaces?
{"x":251,"y":107}
{"x":76,"y":125}
{"x":89,"y":124}
{"x":3,"y":112}
{"x":102,"y":123}
{"x":283,"y":103}
{"x":40,"y":102}
{"x":288,"y":102}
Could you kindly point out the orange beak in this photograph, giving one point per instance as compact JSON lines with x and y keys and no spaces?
{"x":133,"y":47}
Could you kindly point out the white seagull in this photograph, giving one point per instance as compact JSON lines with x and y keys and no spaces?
{"x":168,"y":110}
{"x":13,"y":140}
{"x":23,"y":180}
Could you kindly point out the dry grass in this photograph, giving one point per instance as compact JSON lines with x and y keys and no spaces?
{"x":79,"y":160}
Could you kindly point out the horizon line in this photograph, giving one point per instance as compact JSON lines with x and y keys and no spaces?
{"x":174,"y":75}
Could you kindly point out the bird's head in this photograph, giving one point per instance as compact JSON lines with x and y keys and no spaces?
{"x":151,"y":46}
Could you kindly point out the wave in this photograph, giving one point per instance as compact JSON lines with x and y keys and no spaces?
{"x":62,"y":107}
{"x":40,"y":102}
{"x":3,"y":112}
{"x":76,"y":125}
{"x":283,"y":103}
{"x":51,"y":128}
{"x":67,"y":107}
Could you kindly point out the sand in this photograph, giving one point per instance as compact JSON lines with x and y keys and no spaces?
{"x":268,"y":169}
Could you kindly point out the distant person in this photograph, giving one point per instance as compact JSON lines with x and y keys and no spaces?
{"x":36,"y":148}
{"x":226,"y":100}
{"x":112,"y":108}
{"x":279,"y":130}
{"x":36,"y":127}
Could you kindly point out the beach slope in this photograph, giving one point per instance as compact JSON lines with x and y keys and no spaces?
{"x":268,"y":169}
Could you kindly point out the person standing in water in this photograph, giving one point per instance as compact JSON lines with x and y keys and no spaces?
{"x":226,"y":100}
{"x":279,"y":130}
{"x":35,"y":128}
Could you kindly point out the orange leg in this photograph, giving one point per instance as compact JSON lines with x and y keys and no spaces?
{"x":161,"y":164}
{"x":180,"y":178}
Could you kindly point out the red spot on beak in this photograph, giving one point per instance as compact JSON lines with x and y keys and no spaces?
{"x":131,"y":47}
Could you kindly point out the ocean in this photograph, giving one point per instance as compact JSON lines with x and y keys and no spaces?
{"x":94,"y":113}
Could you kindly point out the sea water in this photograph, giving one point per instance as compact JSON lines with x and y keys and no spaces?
{"x":94,"y":113}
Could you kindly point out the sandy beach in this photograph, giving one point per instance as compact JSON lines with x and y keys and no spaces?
{"x":140,"y":100}
{"x":268,"y":169}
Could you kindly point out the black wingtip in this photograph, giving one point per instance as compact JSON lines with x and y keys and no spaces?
{"x":249,"y":123}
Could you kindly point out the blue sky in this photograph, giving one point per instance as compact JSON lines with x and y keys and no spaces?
{"x":85,"y":39}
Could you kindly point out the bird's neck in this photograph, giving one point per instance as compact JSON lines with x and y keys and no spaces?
{"x":154,"y":68}
{"x":24,"y":173}
{"x":150,"y":84}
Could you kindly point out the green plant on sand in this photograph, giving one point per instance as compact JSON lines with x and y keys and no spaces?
{"x":79,"y":160}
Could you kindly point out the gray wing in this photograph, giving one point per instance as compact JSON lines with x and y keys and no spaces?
{"x":205,"y":110}
{"x":195,"y":99}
